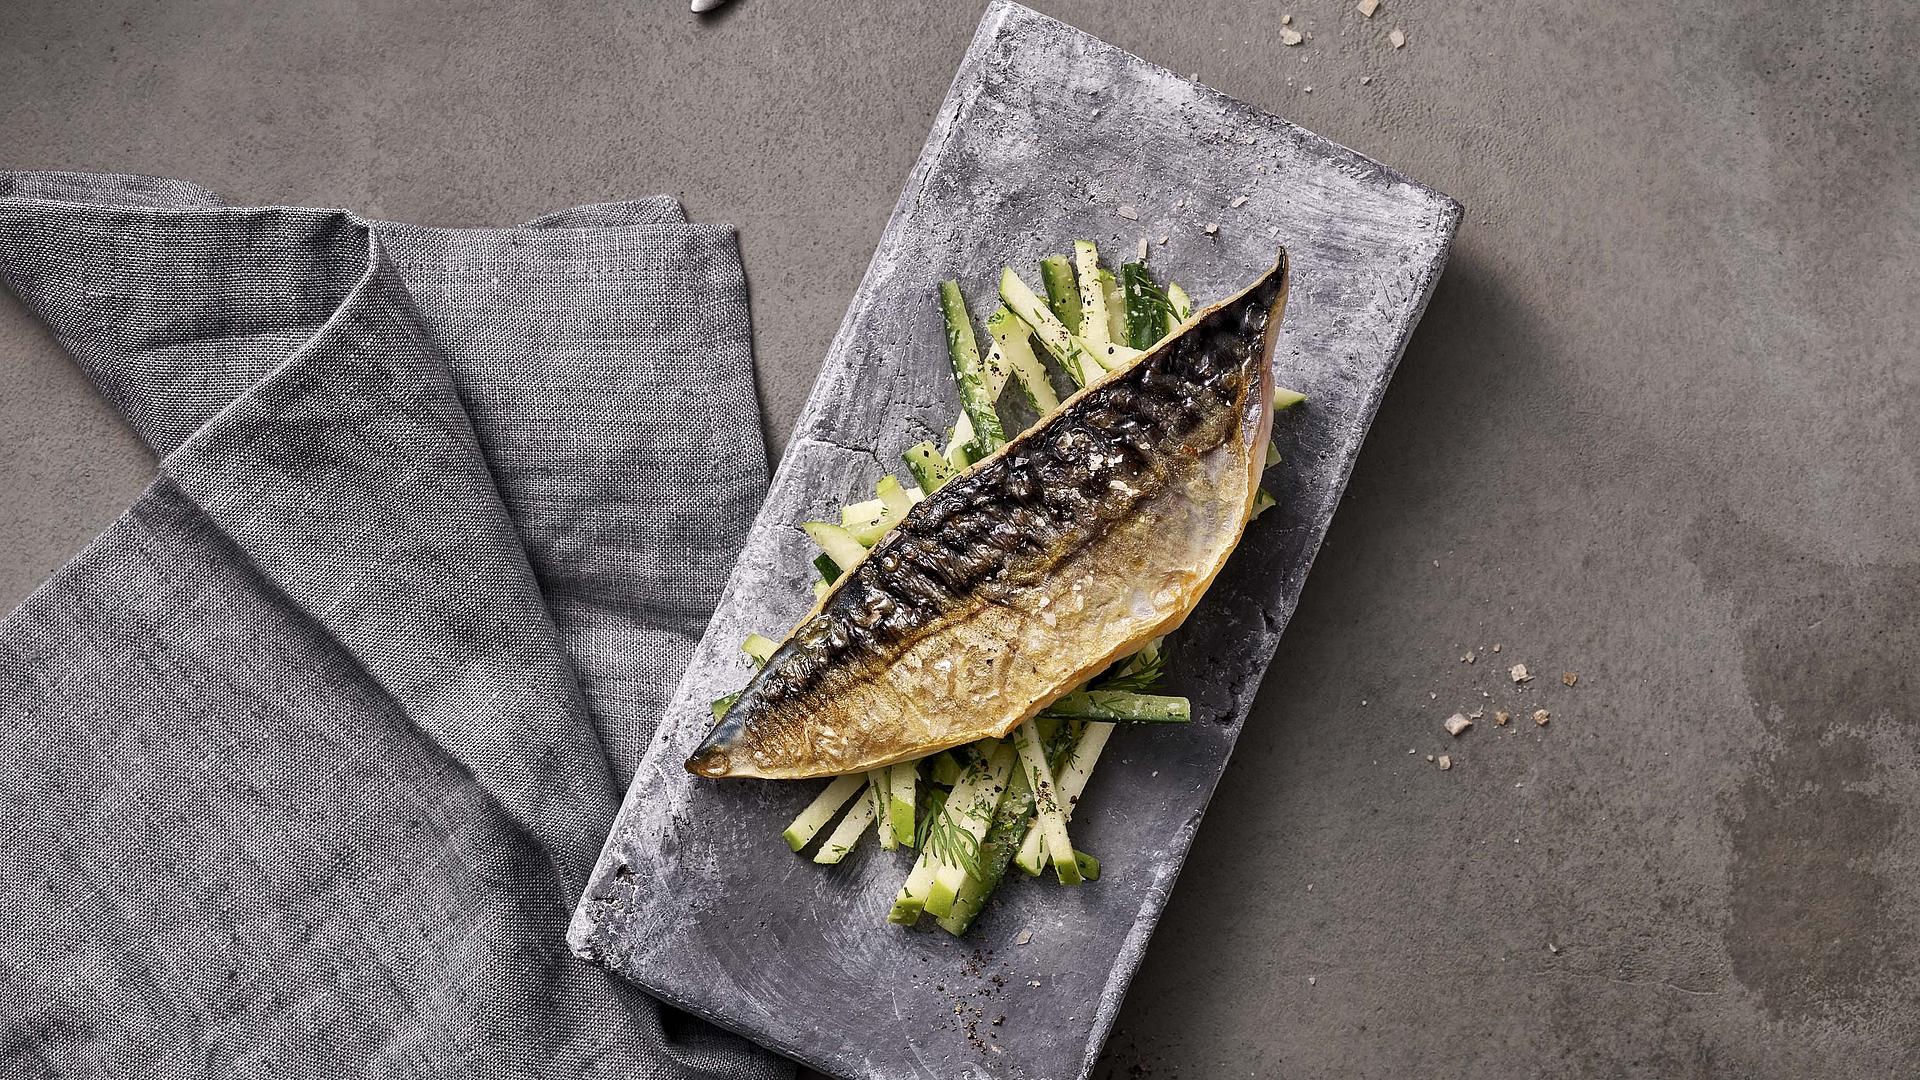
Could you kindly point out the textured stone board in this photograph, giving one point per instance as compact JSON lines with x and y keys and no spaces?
{"x":1045,"y":134}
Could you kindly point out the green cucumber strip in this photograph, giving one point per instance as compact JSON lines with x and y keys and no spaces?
{"x":1181,"y":303}
{"x":1121,"y":705}
{"x":722,"y":704}
{"x":961,"y":443}
{"x":1067,"y":350}
{"x":1089,"y":866}
{"x":947,"y":843}
{"x":929,"y":469}
{"x":1077,"y":767}
{"x":847,"y":833}
{"x":821,"y":810}
{"x":1263,"y":501}
{"x":1273,"y":456}
{"x":1094,"y":329}
{"x":760,"y":648}
{"x":975,"y":816}
{"x":997,"y":849}
{"x":944,"y":770}
{"x":1011,"y":824}
{"x":877,"y":794}
{"x":1284,"y":398}
{"x":1049,"y":805}
{"x":1063,"y":293}
{"x":1116,"y":309}
{"x":939,"y":844}
{"x":829,"y":570}
{"x":912,"y":899}
{"x":902,"y":779}
{"x":857,"y":516}
{"x":1146,"y":306}
{"x":963,"y":350}
{"x":1014,"y":341}
{"x":893,"y":497}
{"x":837,"y":542}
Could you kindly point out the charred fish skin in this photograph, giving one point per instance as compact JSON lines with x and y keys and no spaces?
{"x":948,"y":630}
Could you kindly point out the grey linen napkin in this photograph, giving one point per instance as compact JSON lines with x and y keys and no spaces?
{"x":304,"y":761}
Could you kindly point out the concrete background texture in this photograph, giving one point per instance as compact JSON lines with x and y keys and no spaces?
{"x":1659,"y":429}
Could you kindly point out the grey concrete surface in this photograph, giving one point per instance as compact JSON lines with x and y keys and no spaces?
{"x":1659,"y":428}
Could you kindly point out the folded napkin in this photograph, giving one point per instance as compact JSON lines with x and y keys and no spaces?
{"x":304,"y":761}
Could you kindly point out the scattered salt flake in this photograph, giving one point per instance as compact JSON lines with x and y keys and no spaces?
{"x":1212,"y":227}
{"x":1242,"y":200}
{"x":1024,"y":937}
{"x":1541,"y":716}
{"x":1476,"y":714}
{"x":1367,"y":7}
{"x":1396,"y":37}
{"x":1290,"y":37}
{"x":1467,"y":657}
{"x":1311,"y":981}
{"x":1458,"y":723}
{"x":1569,"y":678}
{"x":1496,"y":646}
{"x":1365,"y":79}
{"x":1309,"y":89}
{"x":1519,"y":673}
{"x":1552,"y":948}
{"x":1431,"y":695}
{"x":1129,"y":213}
{"x":1164,"y":239}
{"x":1501,"y":718}
{"x":1286,"y":20}
{"x":1309,"y":35}
{"x":1445,"y":763}
{"x":1429,"y":757}
{"x":1143,"y":250}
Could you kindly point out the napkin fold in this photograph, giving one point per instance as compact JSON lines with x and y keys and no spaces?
{"x":305,"y":760}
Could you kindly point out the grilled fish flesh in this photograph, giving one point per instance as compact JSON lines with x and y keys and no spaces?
{"x":1033,"y":570}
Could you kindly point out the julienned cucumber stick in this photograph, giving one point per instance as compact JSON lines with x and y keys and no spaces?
{"x":877,"y":793}
{"x":940,"y":843}
{"x":1012,"y":338}
{"x":1067,"y":350}
{"x":1063,"y":293}
{"x":973,"y":818}
{"x":1121,"y":705}
{"x":902,"y":780}
{"x":1093,"y":298}
{"x":821,"y":810}
{"x":1047,"y":802}
{"x":847,"y":833}
{"x":1073,"y":781}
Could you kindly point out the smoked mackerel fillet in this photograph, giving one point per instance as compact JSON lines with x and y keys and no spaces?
{"x":1033,"y":570}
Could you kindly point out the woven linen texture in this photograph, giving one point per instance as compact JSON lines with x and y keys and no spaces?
{"x":304,"y":760}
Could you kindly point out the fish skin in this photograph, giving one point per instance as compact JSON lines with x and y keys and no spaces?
{"x":1033,"y":570}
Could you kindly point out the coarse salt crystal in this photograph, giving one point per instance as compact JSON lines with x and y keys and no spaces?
{"x":1445,"y":763}
{"x":1129,"y":213}
{"x":1367,"y":7}
{"x":1457,"y":723}
{"x":1519,"y":673}
{"x":1212,"y":227}
{"x":1541,"y":716}
{"x":1242,"y":200}
{"x":1290,"y":37}
{"x":1397,"y":37}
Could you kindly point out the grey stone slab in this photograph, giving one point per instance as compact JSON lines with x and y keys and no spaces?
{"x":1045,"y":135}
